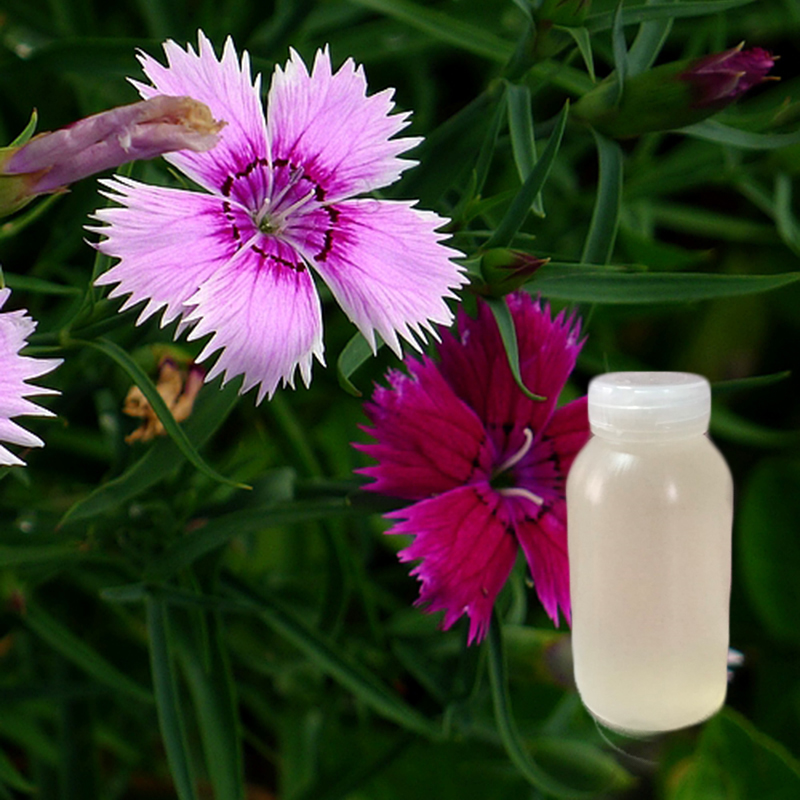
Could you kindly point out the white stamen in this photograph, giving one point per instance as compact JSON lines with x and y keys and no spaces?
{"x":516,"y":491}
{"x":520,"y":454}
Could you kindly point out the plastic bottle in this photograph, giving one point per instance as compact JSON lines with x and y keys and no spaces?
{"x":650,"y":506}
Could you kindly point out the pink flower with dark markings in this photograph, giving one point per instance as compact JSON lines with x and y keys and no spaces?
{"x":485,"y":465}
{"x":233,"y":262}
{"x":15,"y":372}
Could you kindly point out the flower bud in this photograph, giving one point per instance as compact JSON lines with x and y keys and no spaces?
{"x":503,"y":271}
{"x":51,"y":161}
{"x":673,"y":95}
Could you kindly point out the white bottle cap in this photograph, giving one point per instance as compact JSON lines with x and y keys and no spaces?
{"x":645,"y":405}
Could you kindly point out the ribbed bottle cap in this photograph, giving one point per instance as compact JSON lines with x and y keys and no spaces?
{"x":642,"y":405}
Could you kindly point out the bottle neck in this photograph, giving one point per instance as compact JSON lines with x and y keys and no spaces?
{"x":647,"y":435}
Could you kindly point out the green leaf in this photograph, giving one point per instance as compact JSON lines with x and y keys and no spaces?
{"x":489,"y":145}
{"x":659,"y":11}
{"x":605,"y":286}
{"x":735,"y":760}
{"x":161,"y":459}
{"x":214,"y":696}
{"x":745,"y":384}
{"x":27,"y":131}
{"x":647,"y":44}
{"x":175,"y":431}
{"x":584,"y":42}
{"x":171,"y":715}
{"x":508,"y":333}
{"x":21,"y":221}
{"x":10,"y":777}
{"x":220,"y":531}
{"x":509,"y":734}
{"x":620,"y":51}
{"x":728,"y":425}
{"x":769,"y":548}
{"x":599,"y":244}
{"x":521,"y":205}
{"x":444,"y":28}
{"x":785,"y":220}
{"x":30,"y":283}
{"x":328,"y":657}
{"x":523,"y":141}
{"x":27,"y":555}
{"x":61,"y":639}
{"x":353,"y":355}
{"x":714,"y":131}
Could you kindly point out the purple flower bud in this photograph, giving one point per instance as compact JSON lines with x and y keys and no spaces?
{"x":144,"y":130}
{"x":722,"y":77}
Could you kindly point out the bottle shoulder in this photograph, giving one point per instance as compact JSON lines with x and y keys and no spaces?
{"x":682,"y":460}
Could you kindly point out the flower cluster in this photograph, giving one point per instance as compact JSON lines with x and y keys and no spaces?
{"x":484,"y":465}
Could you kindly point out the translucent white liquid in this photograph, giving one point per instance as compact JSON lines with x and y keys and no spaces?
{"x":649,"y":527}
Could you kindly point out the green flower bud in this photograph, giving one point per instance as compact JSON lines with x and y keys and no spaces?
{"x":504,"y":271}
{"x":673,"y":95}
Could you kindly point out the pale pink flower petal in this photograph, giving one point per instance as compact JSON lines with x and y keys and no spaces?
{"x":325,"y":123}
{"x":227,"y":88}
{"x":15,"y":371}
{"x":266,"y":339}
{"x":387,"y":268}
{"x":169,"y":242}
{"x":468,"y":549}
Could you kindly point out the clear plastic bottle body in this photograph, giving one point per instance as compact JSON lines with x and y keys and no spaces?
{"x":650,"y":564}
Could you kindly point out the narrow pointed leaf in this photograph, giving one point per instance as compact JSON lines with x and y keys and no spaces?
{"x":505,"y":324}
{"x":714,"y":131}
{"x":647,"y":44}
{"x":523,"y":141}
{"x":444,"y":28}
{"x":214,"y":697}
{"x":86,"y":658}
{"x":599,"y":243}
{"x":328,"y":657}
{"x":507,"y":727}
{"x":220,"y":531}
{"x":620,"y":51}
{"x":175,"y":431}
{"x":605,"y":286}
{"x":165,"y":686}
{"x":355,"y":353}
{"x":521,"y":205}
{"x":664,"y":10}
{"x":580,"y":36}
{"x":27,"y":131}
{"x":160,"y":460}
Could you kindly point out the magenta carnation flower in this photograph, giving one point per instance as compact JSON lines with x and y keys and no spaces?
{"x":15,"y":371}
{"x":485,"y":465}
{"x":234,"y":262}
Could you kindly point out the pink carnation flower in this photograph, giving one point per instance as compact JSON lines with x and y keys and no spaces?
{"x":485,"y":465}
{"x":15,"y":371}
{"x":234,"y":262}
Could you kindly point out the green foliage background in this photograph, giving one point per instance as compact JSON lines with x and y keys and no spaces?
{"x":166,"y":633}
